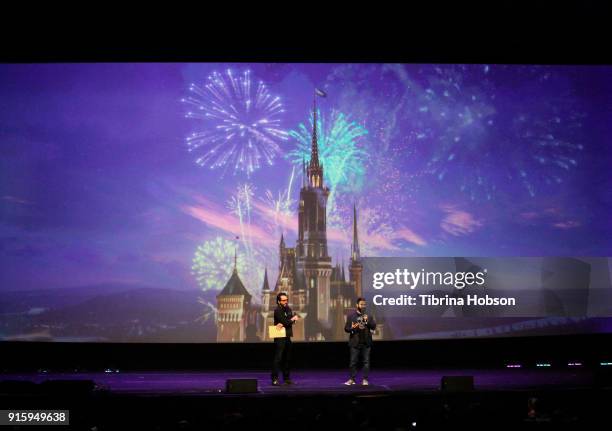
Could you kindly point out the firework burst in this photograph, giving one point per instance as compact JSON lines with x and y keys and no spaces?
{"x":238,"y":122}
{"x":241,"y":204}
{"x":280,"y":206}
{"x":213,"y":263}
{"x":525,"y":144}
{"x":339,"y":151}
{"x":484,"y":132}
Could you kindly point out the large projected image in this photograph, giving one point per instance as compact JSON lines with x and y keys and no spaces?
{"x":174,"y":202}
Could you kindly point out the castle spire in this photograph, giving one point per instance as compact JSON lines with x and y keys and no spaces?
{"x":281,"y":253}
{"x":355,"y":245}
{"x":315,"y":170}
{"x":235,"y":260}
{"x":314,"y":150}
{"x":266,"y":286}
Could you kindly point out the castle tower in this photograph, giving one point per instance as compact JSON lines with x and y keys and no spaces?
{"x":311,"y":249}
{"x":356,"y":267}
{"x":234,"y":306}
{"x":265,"y":292}
{"x":267,"y":307}
{"x":286,"y":269}
{"x":282,"y":252}
{"x":339,"y":319}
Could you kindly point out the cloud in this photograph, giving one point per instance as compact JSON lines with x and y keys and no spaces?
{"x":218,"y":218}
{"x":458,"y":222}
{"x":410,"y":236}
{"x":551,"y":216}
{"x":568,"y":224}
{"x":549,"y":212}
{"x":378,"y":241}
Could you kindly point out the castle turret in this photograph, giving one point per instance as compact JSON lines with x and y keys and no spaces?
{"x":234,"y":307}
{"x":265,"y":292}
{"x":356,"y":267}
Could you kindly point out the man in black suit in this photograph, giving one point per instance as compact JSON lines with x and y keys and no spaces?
{"x":360,"y":326}
{"x":283,"y":317}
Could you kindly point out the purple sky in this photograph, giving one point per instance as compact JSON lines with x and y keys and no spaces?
{"x":97,"y":184}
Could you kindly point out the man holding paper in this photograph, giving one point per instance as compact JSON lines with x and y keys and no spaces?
{"x":284,"y":318}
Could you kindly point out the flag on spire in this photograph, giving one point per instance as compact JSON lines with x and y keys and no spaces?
{"x":320,"y":93}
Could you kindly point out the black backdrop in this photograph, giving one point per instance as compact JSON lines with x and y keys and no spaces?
{"x":466,"y":353}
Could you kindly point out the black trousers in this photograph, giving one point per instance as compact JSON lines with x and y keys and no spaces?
{"x":358,"y":351}
{"x":282,"y":356}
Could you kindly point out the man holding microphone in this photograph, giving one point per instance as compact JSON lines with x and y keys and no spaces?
{"x":359,"y":325}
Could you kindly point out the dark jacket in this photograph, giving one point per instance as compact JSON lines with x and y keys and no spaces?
{"x":363,"y":336}
{"x":284,"y":315}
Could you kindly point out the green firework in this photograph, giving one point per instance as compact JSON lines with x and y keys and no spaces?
{"x":213,"y":263}
{"x":342,"y":157}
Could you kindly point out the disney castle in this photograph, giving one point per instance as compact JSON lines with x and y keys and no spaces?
{"x":318,"y":291}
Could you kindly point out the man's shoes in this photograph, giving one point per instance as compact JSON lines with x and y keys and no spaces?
{"x":365,"y":382}
{"x":289,"y":382}
{"x":349,"y":382}
{"x":275,"y":382}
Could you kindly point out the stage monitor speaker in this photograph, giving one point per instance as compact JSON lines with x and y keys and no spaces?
{"x":457,"y":383}
{"x":241,"y":386}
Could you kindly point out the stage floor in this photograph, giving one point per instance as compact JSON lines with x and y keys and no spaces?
{"x":317,"y":381}
{"x":396,"y":399}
